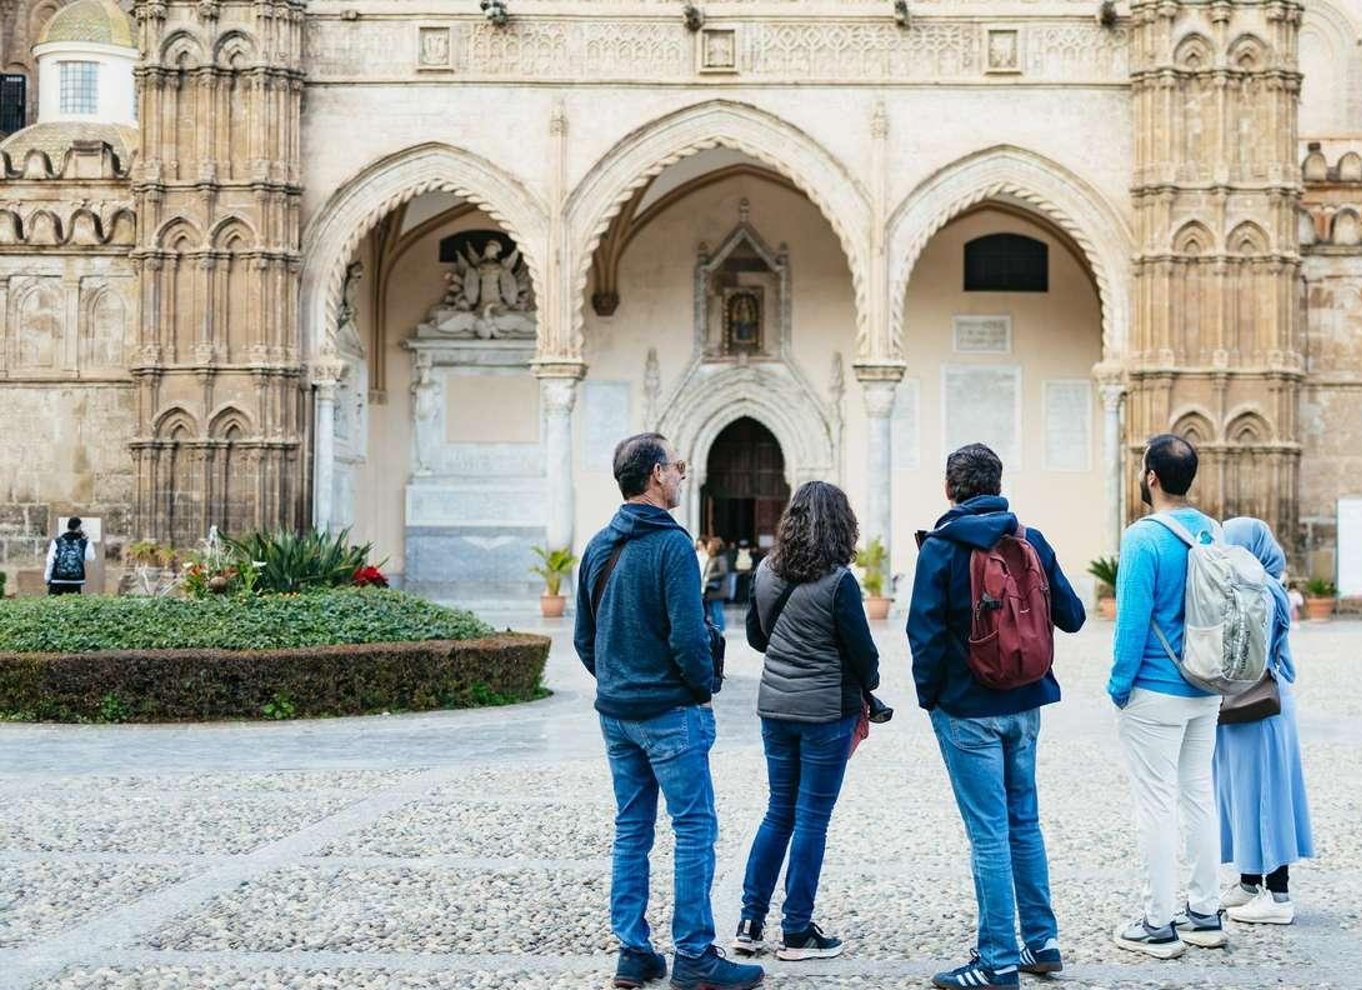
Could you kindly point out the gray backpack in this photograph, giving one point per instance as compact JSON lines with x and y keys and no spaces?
{"x":1225,"y":636}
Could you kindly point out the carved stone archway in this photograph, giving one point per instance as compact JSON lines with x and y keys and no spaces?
{"x":714,"y":397}
{"x":357,"y":207}
{"x":1024,"y":179}
{"x":647,"y":151}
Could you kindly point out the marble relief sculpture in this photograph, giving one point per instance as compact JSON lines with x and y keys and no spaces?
{"x":488,"y":297}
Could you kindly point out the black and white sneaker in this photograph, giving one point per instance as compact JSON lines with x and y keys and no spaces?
{"x":1204,"y":930}
{"x":1161,"y":943}
{"x":748,"y":941}
{"x":809,"y":944}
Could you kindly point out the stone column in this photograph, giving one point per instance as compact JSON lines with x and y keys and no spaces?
{"x":325,"y":383}
{"x":558,"y":396}
{"x":879,"y":383}
{"x":1113,"y":459}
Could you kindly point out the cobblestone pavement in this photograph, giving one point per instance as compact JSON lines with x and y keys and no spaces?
{"x":470,"y":850}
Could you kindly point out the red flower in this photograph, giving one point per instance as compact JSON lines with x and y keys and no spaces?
{"x":369,"y":577}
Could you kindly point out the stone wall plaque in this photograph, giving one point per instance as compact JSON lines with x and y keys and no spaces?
{"x":606,"y":421}
{"x":982,"y":334}
{"x":718,"y":50}
{"x":983,"y":405}
{"x":907,"y":443}
{"x":1350,"y":547}
{"x":432,"y":48}
{"x":1004,"y":51}
{"x":1068,"y":425}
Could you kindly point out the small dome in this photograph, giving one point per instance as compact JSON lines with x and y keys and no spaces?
{"x":54,"y":138}
{"x":95,"y":21}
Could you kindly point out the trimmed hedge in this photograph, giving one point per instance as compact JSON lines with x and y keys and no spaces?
{"x":206,"y":684}
{"x":85,"y":623}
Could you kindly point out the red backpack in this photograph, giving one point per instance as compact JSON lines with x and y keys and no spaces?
{"x":1012,"y":640}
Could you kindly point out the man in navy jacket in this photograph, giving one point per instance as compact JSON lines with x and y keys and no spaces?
{"x":987,"y":736}
{"x":641,"y":633}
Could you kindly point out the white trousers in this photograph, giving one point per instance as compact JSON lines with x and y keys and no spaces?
{"x":1169,"y":744}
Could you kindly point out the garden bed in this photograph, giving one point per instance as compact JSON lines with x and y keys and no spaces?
{"x":337,"y":652}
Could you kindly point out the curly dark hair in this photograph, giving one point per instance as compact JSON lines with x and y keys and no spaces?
{"x":817,"y":532}
{"x":971,"y":471}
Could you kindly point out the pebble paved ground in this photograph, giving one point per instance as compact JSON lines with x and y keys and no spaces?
{"x":470,"y":850}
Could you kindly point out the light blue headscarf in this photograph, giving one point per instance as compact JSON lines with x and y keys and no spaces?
{"x":1256,"y":537}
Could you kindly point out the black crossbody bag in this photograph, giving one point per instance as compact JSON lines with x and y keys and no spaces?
{"x":717,"y":644}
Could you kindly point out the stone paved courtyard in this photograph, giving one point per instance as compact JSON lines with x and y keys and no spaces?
{"x":470,"y":850}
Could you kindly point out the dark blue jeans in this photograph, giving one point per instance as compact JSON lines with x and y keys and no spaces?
{"x":992,"y":766}
{"x":668,"y":753}
{"x":715,"y":608}
{"x":805,"y":763}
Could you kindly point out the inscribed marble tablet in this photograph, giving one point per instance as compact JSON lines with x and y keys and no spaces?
{"x":1068,"y":425}
{"x":983,"y":405}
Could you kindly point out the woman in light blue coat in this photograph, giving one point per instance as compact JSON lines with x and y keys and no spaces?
{"x":1264,"y":817}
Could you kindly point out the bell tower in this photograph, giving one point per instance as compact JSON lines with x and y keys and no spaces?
{"x":1216,"y":342}
{"x":220,"y":411}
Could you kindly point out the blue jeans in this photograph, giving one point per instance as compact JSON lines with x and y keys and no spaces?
{"x":669,"y":752}
{"x":992,"y":765}
{"x":715,"y":607}
{"x":805,"y":763}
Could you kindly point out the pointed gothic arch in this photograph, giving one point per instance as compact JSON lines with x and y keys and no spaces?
{"x":646,"y":151}
{"x":360,"y":203}
{"x":1037,"y":185}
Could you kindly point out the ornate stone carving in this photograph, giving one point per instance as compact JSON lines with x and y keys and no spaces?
{"x":488,"y":297}
{"x":652,"y":386}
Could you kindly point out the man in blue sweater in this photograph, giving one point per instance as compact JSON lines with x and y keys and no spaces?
{"x":1167,"y":726}
{"x":641,"y":633}
{"x":987,"y":736}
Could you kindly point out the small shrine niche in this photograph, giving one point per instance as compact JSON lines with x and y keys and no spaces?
{"x":742,"y":303}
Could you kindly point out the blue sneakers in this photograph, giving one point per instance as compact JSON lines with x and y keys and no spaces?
{"x":712,"y":971}
{"x":1042,"y":959}
{"x":976,"y":976}
{"x":636,"y":968}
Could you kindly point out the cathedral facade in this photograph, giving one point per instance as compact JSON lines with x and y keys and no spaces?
{"x":414,"y":270}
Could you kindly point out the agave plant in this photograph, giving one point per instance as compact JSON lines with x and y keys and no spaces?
{"x":1104,"y":569}
{"x":556,"y":565}
{"x":285,"y":561}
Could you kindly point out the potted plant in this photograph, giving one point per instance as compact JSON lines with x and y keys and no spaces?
{"x":1104,"y":569}
{"x":1319,"y":599}
{"x":146,"y":558}
{"x":555,"y":565}
{"x":871,"y":560}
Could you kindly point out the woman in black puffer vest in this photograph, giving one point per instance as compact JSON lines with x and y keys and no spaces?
{"x":805,"y":614}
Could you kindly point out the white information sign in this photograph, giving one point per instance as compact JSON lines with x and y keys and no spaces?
{"x":983,"y":405}
{"x":907,"y":446}
{"x":607,"y":421}
{"x":91,"y":526}
{"x":1068,"y":425}
{"x":983,"y":334}
{"x":1350,"y":546}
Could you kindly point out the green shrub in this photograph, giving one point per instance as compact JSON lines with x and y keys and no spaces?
{"x":872,"y":560}
{"x":86,"y":623}
{"x":198,"y":685}
{"x":1320,"y":588}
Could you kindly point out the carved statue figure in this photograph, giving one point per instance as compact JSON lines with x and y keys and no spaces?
{"x":425,"y":407}
{"x":487,"y":297}
{"x":347,"y":328}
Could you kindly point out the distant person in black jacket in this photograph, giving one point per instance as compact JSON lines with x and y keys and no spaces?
{"x":820,"y":663}
{"x":67,"y":556}
{"x":987,"y":736}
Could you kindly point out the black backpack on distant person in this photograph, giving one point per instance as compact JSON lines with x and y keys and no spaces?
{"x":68,"y":564}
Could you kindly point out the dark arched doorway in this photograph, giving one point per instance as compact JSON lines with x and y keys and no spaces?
{"x":745,"y":490}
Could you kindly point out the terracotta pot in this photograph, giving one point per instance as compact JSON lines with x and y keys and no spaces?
{"x":877,"y":608}
{"x":1106,"y":607}
{"x":1319,"y":609}
{"x":552,"y":606}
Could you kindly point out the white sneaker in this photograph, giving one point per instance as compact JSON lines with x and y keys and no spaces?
{"x":1237,"y":895}
{"x":1264,"y":910}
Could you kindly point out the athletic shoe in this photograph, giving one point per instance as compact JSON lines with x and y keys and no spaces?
{"x":1042,"y":959}
{"x":1264,"y":909}
{"x":975,"y":975}
{"x":1238,"y":895}
{"x":1204,"y":930}
{"x":1139,"y":936}
{"x":712,"y":971}
{"x":748,"y":941}
{"x":636,"y":968}
{"x":809,"y":944}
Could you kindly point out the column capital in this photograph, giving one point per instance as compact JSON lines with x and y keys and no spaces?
{"x":549,"y":368}
{"x":879,"y":371}
{"x":560,"y":395}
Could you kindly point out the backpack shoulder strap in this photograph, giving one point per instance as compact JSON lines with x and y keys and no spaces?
{"x":779,"y":607}
{"x":1166,"y":520}
{"x":599,"y":588}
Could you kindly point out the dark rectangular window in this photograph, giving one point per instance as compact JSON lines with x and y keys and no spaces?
{"x":1007,"y":263}
{"x":13,"y":103}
